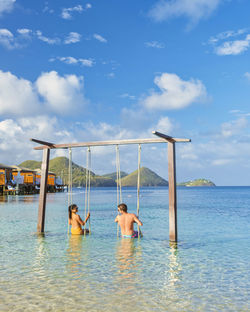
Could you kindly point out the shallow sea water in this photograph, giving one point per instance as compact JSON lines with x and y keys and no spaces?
{"x":207,"y":271}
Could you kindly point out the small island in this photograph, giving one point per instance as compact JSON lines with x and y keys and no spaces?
{"x":197,"y":182}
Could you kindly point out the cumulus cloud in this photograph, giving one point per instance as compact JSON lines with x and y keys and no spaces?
{"x":175,"y":93}
{"x":72,"y":37}
{"x":155,"y":44}
{"x":14,"y":41}
{"x":229,"y":129}
{"x":226,"y":35}
{"x":15,"y":134}
{"x":51,"y":41}
{"x":24,"y":35}
{"x":193,"y":10}
{"x":51,"y":92}
{"x":223,"y":46}
{"x":62,"y":94}
{"x":68,"y":12}
{"x":7,"y":39}
{"x":17,"y":96}
{"x":233,"y":47}
{"x":164,"y":125}
{"x":73,"y":61}
{"x":6,"y":6}
{"x":100,"y":38}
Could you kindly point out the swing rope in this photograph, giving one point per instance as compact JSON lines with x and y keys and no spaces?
{"x":138,"y":186}
{"x":118,"y":181}
{"x":87,"y":186}
{"x":70,"y":196}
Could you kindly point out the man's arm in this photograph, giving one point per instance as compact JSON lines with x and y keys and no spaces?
{"x":117,"y":218}
{"x":137,"y":220}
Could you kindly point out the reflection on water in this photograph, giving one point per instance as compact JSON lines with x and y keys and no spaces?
{"x":3,"y":199}
{"x":76,"y":256}
{"x":127,"y":255}
{"x":60,"y":272}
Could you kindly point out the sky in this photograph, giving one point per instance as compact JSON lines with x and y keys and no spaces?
{"x":77,"y":71}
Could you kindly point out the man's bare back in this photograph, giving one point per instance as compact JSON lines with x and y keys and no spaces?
{"x":126,"y":220}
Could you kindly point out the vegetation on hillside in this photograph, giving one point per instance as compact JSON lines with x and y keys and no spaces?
{"x":113,"y":175}
{"x":60,"y":166}
{"x":147,"y":178}
{"x":197,"y":182}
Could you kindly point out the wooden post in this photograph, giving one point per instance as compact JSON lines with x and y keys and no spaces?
{"x":43,"y":191}
{"x":172,"y":193}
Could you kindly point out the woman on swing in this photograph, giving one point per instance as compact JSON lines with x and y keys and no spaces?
{"x":76,"y":222}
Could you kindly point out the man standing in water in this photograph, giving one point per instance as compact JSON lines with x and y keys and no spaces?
{"x":126,"y":222}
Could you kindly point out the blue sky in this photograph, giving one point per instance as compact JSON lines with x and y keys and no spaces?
{"x":102,"y":70}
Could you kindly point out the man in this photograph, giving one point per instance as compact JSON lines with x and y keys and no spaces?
{"x":126,"y":222}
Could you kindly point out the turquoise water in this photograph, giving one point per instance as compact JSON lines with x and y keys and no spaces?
{"x":208,"y":271}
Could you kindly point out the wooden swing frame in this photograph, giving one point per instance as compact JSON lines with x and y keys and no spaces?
{"x":162,"y":138}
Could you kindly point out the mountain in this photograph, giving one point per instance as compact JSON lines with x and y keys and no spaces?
{"x":31,"y":164}
{"x":147,"y":178}
{"x":113,"y":175}
{"x":197,"y":182}
{"x":60,"y":166}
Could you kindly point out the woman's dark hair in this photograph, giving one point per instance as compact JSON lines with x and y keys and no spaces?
{"x":71,"y":207}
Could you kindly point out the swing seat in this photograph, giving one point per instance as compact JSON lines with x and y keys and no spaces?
{"x":79,"y":231}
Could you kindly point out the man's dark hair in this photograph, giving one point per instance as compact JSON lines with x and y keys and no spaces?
{"x":123,"y":207}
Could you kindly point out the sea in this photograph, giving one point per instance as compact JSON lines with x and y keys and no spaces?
{"x":207,"y":270}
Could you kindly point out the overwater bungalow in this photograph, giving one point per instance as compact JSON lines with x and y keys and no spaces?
{"x":6,"y":178}
{"x":51,"y":182}
{"x":24,"y":179}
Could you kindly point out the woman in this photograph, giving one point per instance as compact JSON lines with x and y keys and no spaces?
{"x":76,"y":222}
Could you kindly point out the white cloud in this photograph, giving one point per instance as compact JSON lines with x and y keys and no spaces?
{"x":164,"y":125}
{"x":229,"y":129}
{"x":175,"y":93}
{"x":17,"y":96}
{"x":11,"y":41}
{"x":24,"y":31}
{"x":51,"y":92}
{"x":226,"y":34}
{"x":221,"y":162}
{"x":247,"y":75}
{"x":127,"y":96}
{"x":99,"y":38}
{"x":7,"y":39}
{"x":193,"y":10}
{"x":233,"y":47}
{"x":62,"y":94}
{"x":15,"y":134}
{"x":155,"y":44}
{"x":111,"y":75}
{"x":41,"y":37}
{"x":6,"y":6}
{"x":72,"y":60}
{"x":72,"y":37}
{"x":67,"y":12}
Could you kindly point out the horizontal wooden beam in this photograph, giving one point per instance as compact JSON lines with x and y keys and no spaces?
{"x":42,"y":142}
{"x":105,"y":143}
{"x":169,"y":138}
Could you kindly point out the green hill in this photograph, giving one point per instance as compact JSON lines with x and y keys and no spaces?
{"x":60,"y":166}
{"x":147,"y":177}
{"x":113,"y":175}
{"x":31,"y":164}
{"x":197,"y":182}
